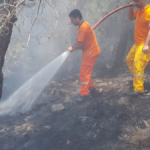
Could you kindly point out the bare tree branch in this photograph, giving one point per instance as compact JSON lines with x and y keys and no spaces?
{"x":7,"y":20}
{"x":34,"y":22}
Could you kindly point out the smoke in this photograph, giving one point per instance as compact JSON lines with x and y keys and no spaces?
{"x":49,"y":39}
{"x":24,"y":98}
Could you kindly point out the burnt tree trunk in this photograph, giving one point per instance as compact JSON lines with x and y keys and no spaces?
{"x":5,"y":36}
{"x":4,"y":42}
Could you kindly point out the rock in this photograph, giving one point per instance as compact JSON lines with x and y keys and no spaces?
{"x":98,"y":81}
{"x":24,"y":127}
{"x":67,"y":102}
{"x":100,"y":90}
{"x":57,"y":107}
{"x":102,"y":84}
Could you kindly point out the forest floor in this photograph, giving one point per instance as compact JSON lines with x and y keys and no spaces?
{"x":112,"y":121}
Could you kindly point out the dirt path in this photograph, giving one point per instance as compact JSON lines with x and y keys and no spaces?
{"x":112,"y":121}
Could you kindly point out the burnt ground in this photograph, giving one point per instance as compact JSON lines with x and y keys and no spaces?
{"x":111,"y":121}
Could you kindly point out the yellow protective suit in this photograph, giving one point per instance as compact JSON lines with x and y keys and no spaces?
{"x":137,"y":62}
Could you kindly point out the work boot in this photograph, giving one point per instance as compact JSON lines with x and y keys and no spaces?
{"x":94,"y":92}
{"x":81,"y":98}
{"x":136,"y":94}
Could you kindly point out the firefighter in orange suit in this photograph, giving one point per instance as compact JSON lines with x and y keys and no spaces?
{"x":87,"y":42}
{"x":139,"y":54}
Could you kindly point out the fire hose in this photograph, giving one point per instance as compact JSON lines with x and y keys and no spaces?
{"x":112,"y":12}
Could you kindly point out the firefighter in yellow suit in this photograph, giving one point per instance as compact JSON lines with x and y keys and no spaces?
{"x":139,"y":54}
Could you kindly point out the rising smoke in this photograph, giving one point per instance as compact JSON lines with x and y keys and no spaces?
{"x":24,"y":59}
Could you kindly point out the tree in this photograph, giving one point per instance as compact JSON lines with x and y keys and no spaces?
{"x":7,"y":18}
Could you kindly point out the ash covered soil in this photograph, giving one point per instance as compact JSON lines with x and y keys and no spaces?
{"x":58,"y":121}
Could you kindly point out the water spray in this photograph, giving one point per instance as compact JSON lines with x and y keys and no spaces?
{"x":24,"y":98}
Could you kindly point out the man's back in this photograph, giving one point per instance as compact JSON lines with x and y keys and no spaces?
{"x":87,"y":36}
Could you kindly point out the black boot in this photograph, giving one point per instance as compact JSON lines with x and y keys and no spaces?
{"x":94,"y":92}
{"x":136,"y":94}
{"x":82,"y":98}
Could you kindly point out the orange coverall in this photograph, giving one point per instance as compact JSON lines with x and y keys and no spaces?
{"x":90,"y":52}
{"x":136,"y":59}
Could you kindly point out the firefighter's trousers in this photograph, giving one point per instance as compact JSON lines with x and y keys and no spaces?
{"x":137,"y":62}
{"x":85,"y":75}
